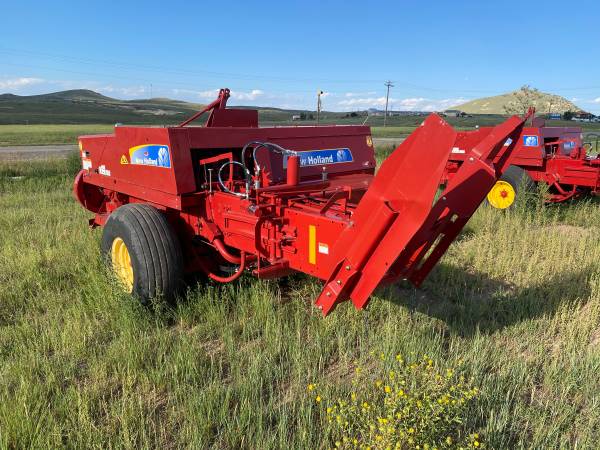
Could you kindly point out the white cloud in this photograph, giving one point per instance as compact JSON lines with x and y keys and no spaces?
{"x":359,"y":94}
{"x":212,"y":94}
{"x":18,"y":83}
{"x":367,"y":102}
{"x":404,"y":104}
{"x":596,"y":100}
{"x":130,"y":91}
{"x":252,"y":95}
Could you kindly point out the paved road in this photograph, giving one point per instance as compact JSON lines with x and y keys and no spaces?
{"x":388,"y":141}
{"x":33,"y":152}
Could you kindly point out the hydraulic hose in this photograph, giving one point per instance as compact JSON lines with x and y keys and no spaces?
{"x":233,"y":277}
{"x":220,"y":246}
{"x":269,"y":146}
{"x":246,"y":172}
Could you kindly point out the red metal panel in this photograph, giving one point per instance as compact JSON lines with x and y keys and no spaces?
{"x":397,"y":202}
{"x":294,"y":138}
{"x":235,"y":118}
{"x":182,"y":160}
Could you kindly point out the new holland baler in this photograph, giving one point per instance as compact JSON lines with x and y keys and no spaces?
{"x":554,"y":156}
{"x":231,"y":197}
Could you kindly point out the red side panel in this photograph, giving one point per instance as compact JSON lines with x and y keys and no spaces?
{"x":392,"y":210}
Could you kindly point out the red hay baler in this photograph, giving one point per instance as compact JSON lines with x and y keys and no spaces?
{"x":230,"y":197}
{"x":554,"y":156}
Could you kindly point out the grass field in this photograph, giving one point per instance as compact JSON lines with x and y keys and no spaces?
{"x":399,"y":127}
{"x":47,"y":134}
{"x":514,"y":307}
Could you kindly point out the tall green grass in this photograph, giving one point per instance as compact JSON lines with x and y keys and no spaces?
{"x":515,"y":304}
{"x":48,"y":134}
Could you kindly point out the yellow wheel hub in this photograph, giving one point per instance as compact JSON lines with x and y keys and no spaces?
{"x":502,"y":195}
{"x":121,"y":262}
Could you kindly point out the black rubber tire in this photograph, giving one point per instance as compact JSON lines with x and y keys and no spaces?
{"x":155,"y":252}
{"x":520,"y":181}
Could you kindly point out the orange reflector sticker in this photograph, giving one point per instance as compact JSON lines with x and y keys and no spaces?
{"x":312,"y":244}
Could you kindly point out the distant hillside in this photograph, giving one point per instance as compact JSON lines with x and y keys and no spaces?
{"x":542,"y":101}
{"x":81,"y":106}
{"x":85,"y":106}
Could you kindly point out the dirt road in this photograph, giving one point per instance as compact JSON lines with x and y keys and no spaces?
{"x":388,"y":141}
{"x":33,"y":152}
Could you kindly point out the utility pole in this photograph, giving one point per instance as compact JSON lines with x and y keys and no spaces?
{"x":388,"y":84}
{"x":319,"y":93}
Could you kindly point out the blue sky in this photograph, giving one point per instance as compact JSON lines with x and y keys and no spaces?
{"x":279,"y":53}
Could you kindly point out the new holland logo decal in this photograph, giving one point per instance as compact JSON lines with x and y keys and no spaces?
{"x":150,"y":155}
{"x":323,"y":157}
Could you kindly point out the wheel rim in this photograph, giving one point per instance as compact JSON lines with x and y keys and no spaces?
{"x":502,"y":195}
{"x":121,"y":262}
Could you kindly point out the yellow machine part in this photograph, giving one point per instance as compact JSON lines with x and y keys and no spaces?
{"x":502,"y":195}
{"x":121,"y":263}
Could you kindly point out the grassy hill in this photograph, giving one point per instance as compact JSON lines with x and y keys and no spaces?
{"x":85,"y":106}
{"x":542,"y":101}
{"x":82,"y":106}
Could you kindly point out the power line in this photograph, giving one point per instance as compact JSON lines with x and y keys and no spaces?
{"x":221,"y":75}
{"x":387,"y":84}
{"x":257,"y":77}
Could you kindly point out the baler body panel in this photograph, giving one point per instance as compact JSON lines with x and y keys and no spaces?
{"x":111,"y":165}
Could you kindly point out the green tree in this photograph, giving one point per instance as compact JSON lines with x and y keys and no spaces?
{"x":522,"y":100}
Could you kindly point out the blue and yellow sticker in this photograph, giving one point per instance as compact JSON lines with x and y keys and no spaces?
{"x":321,"y":157}
{"x":531,"y":141}
{"x":150,"y":155}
